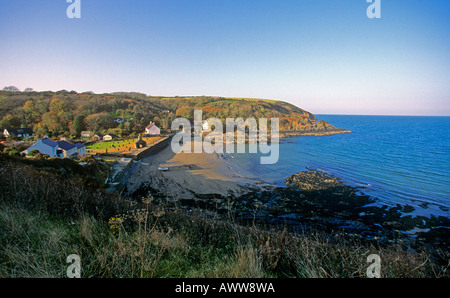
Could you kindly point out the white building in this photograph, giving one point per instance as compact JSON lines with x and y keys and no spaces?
{"x":18,"y":132}
{"x":45,"y":146}
{"x":57,"y":149}
{"x":109,"y":137}
{"x":205,"y":126}
{"x":81,"y":149}
{"x":152,"y":129}
{"x":86,"y":134}
{"x":67,"y":149}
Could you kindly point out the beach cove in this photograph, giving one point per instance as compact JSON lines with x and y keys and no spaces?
{"x":213,"y":185}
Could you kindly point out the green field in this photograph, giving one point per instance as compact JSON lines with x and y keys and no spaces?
{"x":120,"y":143}
{"x":111,"y":144}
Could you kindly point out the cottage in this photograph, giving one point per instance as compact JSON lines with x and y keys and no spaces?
{"x":45,"y":146}
{"x":206,"y":126}
{"x":152,"y":129}
{"x":97,"y":137}
{"x":109,"y":137}
{"x":86,"y":134}
{"x":66,"y":149}
{"x":18,"y":133}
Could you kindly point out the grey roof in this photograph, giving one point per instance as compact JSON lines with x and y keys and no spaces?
{"x":18,"y":131}
{"x":66,"y":145}
{"x":50,"y":143}
{"x":79,"y":145}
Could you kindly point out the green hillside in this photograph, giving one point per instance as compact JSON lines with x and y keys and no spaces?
{"x":69,"y":113}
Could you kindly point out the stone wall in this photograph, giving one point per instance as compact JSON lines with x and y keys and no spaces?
{"x":158,"y":147}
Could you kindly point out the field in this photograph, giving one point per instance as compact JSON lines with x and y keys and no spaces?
{"x":125,"y":146}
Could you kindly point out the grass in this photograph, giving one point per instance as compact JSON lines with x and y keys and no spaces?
{"x":34,"y":246}
{"x":45,"y":218}
{"x":117,"y":144}
{"x":157,"y":244}
{"x":121,"y":146}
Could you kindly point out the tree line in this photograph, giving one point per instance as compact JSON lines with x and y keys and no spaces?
{"x":68,"y":113}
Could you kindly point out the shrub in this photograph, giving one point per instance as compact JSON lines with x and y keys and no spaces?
{"x":33,"y":153}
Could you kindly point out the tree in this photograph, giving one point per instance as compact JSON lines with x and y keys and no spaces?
{"x":10,"y":121}
{"x":40,"y":130}
{"x":58,"y":106}
{"x":96,"y":122}
{"x":78,"y":125}
{"x":185,"y":112}
{"x":52,"y":122}
{"x":28,"y":90}
{"x":32,"y":113}
{"x":11,"y":88}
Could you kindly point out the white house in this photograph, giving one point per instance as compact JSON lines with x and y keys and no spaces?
{"x":45,"y":146}
{"x":152,"y":129}
{"x":57,"y":149}
{"x":67,"y":149}
{"x":109,"y":137}
{"x":18,"y":132}
{"x":205,"y":125}
{"x":86,"y":134}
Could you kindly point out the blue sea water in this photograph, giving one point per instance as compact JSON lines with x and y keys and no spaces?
{"x":394,"y":159}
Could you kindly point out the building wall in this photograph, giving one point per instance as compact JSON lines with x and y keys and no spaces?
{"x":43,"y":148}
{"x":82,"y":151}
{"x":70,"y":152}
{"x":86,"y":134}
{"x":154,"y":130}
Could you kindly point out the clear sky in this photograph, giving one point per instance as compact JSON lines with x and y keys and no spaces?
{"x":325,"y":56}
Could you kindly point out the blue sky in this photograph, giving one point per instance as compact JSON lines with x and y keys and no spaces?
{"x":325,"y":56}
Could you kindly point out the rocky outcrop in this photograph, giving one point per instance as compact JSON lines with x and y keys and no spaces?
{"x":313,"y":181}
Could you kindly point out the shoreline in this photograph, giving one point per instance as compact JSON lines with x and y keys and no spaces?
{"x":282,"y":135}
{"x":209,"y":182}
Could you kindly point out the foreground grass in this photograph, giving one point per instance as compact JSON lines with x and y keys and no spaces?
{"x":33,"y":245}
{"x":151,"y":242}
{"x":46,"y":217}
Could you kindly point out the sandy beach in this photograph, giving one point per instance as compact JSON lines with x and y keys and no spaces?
{"x":188,"y":174}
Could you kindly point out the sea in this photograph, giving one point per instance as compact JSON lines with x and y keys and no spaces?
{"x":394,"y":159}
